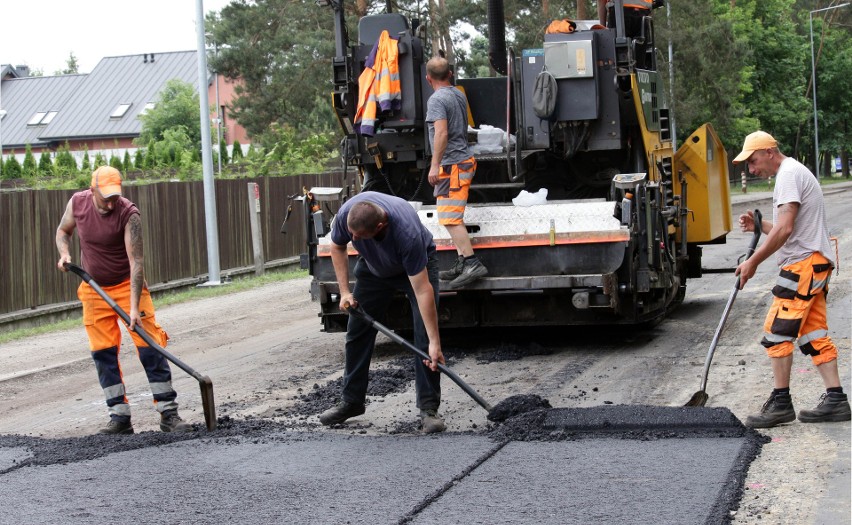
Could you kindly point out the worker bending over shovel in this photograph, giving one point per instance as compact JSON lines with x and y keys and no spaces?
{"x":798,"y":236}
{"x":110,"y":232}
{"x":396,"y":253}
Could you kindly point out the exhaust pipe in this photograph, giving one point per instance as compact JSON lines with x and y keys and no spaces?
{"x":497,"y":36}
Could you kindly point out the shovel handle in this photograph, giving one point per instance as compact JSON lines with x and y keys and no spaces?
{"x":758,"y":229}
{"x":358,"y":312}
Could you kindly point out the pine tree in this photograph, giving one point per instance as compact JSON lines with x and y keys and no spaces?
{"x":86,"y":165}
{"x":12,"y":168}
{"x":139,"y":159}
{"x":45,"y":164}
{"x":128,"y":164}
{"x":29,"y":168}
{"x":237,"y":153}
{"x":223,"y":152}
{"x":116,"y":163}
{"x":99,"y":160}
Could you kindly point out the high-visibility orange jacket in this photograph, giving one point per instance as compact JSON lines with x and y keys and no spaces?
{"x":378,"y":86}
{"x":639,"y":4}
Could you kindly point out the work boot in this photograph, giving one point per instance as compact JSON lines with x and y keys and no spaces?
{"x":454,"y":271}
{"x":431,"y":422}
{"x":341,"y":412}
{"x":472,"y":270}
{"x":117,"y":427}
{"x":170,"y":421}
{"x":833,"y":406}
{"x":777,"y":409}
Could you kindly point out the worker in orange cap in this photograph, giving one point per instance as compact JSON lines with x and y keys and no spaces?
{"x":110,"y":231}
{"x":798,"y":236}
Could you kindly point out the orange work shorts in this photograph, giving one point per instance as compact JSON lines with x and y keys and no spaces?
{"x":452,"y":190}
{"x":102,"y":322}
{"x":798,"y":311}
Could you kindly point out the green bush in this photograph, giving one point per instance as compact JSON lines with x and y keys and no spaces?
{"x":116,"y":163}
{"x":86,"y":165}
{"x":29,"y":167}
{"x":64,"y":164}
{"x":128,"y":164}
{"x":99,"y":161}
{"x":12,"y":168}
{"x":237,"y":153}
{"x":223,"y":152}
{"x":45,"y":164}
{"x":139,"y":159}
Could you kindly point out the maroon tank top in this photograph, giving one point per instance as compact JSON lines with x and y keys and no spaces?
{"x":104,"y":255}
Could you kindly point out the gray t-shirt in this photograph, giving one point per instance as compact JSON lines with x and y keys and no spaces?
{"x":795,"y":183}
{"x":406,"y":246}
{"x":448,"y":103}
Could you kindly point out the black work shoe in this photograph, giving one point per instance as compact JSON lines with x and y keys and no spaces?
{"x":340,"y":413}
{"x":833,"y":406}
{"x":170,"y":421}
{"x":117,"y":427}
{"x":454,"y":271}
{"x":472,"y":270}
{"x":431,"y":422}
{"x":777,"y":409}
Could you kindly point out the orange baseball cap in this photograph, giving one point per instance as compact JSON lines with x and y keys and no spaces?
{"x":753,"y":142}
{"x":107,"y":180}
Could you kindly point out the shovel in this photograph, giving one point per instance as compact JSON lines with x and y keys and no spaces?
{"x":358,"y":312}
{"x":205,"y":382}
{"x":699,"y":399}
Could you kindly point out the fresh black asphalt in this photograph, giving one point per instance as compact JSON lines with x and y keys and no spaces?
{"x":609,"y":464}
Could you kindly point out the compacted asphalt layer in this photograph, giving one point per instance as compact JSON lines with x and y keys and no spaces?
{"x":607,"y":464}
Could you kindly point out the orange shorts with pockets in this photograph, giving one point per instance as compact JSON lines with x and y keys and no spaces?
{"x":798,"y":311}
{"x":452,"y":191}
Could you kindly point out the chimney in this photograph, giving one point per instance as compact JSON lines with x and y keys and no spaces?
{"x":144,"y":58}
{"x":152,"y":58}
{"x":23,"y":71}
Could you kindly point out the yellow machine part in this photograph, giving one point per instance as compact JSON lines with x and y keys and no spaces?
{"x":704,"y":164}
{"x":656,"y":149}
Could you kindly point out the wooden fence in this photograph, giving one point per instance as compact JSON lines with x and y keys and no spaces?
{"x":174,"y":233}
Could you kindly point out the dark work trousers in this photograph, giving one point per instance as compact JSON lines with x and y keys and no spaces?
{"x":374,"y":295}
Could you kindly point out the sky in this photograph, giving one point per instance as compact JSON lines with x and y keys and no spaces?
{"x":43,"y":33}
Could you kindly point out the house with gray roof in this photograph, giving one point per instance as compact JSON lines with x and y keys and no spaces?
{"x":98,"y":111}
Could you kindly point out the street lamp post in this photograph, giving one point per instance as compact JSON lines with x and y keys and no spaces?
{"x":814,"y":82}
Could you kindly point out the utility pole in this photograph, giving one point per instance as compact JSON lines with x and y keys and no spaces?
{"x":210,"y":220}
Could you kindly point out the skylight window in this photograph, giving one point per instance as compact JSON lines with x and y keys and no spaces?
{"x":120,"y":111}
{"x":36,"y":120}
{"x":148,"y":107}
{"x":49,"y":117}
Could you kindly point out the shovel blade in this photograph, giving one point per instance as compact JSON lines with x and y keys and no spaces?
{"x":699,"y":399}
{"x":207,"y":402}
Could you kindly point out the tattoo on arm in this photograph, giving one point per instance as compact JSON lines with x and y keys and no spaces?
{"x":137,"y":277}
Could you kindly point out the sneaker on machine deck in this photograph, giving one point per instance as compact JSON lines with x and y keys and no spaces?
{"x":117,"y":427}
{"x":431,"y":421}
{"x":777,"y":409}
{"x":454,"y":271}
{"x":472,"y":270}
{"x":341,"y":412}
{"x":833,"y":406}
{"x":170,"y":421}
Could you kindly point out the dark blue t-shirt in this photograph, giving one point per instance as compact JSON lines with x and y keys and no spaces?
{"x":406,"y":246}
